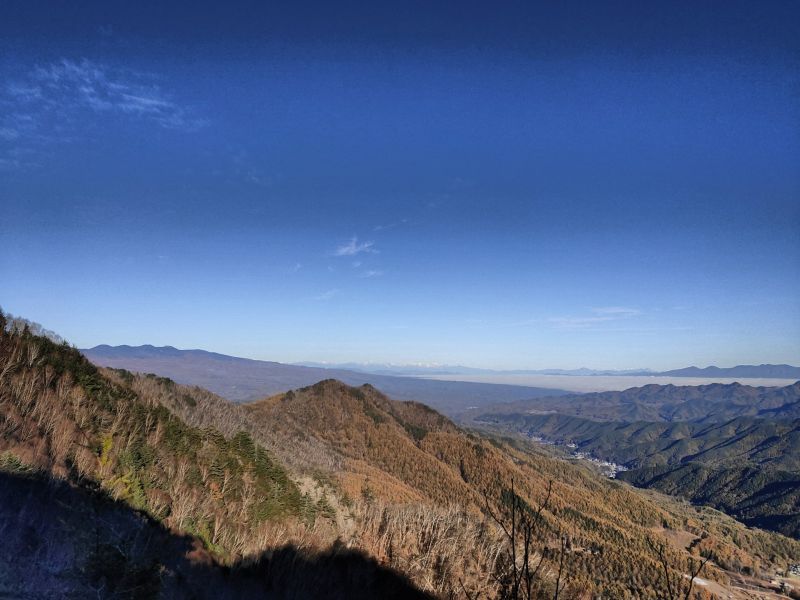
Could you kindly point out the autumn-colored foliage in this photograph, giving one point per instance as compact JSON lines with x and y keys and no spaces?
{"x":332,"y":466}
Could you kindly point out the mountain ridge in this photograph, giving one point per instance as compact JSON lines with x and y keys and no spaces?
{"x":746,"y":371}
{"x":704,"y":403}
{"x":244,"y":379}
{"x":761,"y":371}
{"x":396,"y":479}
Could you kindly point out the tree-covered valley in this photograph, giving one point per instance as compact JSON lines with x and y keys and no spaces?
{"x":733,"y":447}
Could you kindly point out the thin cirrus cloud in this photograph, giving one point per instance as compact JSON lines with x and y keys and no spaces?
{"x":392,"y":225}
{"x":89,"y":85}
{"x":58,"y":102}
{"x":327,"y":295}
{"x":617,"y":312}
{"x":597,"y":316}
{"x":353,"y":247}
{"x":371,"y":273}
{"x":48,"y":104}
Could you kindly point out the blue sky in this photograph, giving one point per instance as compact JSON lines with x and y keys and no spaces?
{"x":507,"y":185}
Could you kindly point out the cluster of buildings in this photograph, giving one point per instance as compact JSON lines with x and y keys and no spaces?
{"x":608,"y":468}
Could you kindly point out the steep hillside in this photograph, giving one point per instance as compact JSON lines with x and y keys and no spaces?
{"x":243,"y":379}
{"x":760,"y":497}
{"x":327,"y":487}
{"x":105,"y":487}
{"x":387,"y":451}
{"x":62,"y":540}
{"x":62,"y":416}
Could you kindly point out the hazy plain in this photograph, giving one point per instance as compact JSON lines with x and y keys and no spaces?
{"x":604,"y":383}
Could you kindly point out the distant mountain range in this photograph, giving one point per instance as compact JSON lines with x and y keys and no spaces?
{"x":242,"y":379}
{"x":741,"y":371}
{"x":745,"y":371}
{"x":711,"y":403}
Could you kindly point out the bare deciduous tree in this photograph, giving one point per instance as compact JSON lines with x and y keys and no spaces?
{"x":520,"y":571}
{"x":677,"y":588}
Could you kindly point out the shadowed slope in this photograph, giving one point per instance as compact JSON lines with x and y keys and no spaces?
{"x":65,"y":541}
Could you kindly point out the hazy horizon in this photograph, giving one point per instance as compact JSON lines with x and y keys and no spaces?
{"x":501,"y":372}
{"x":516,"y":186}
{"x":603,"y":383}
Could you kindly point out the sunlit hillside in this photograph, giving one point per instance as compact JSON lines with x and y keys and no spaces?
{"x":326,"y":469}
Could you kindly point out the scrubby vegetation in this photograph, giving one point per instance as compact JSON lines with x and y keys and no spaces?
{"x":340,"y":475}
{"x":62,"y":416}
{"x":378,"y":462}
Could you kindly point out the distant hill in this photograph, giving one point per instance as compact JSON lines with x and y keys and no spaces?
{"x":744,"y":371}
{"x":432,"y":370}
{"x":242,"y":379}
{"x":768,"y":498}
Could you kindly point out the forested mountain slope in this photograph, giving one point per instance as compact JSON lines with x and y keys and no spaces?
{"x":760,"y":497}
{"x":711,"y":403}
{"x":103,"y":487}
{"x":739,"y":441}
{"x":386,"y":451}
{"x":259,"y":495}
{"x":749,"y":467}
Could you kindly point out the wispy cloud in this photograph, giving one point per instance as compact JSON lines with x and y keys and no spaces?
{"x":617,"y":312}
{"x":85,"y":84}
{"x":577,"y":322}
{"x":327,"y":295}
{"x":371,"y":273}
{"x":8,"y":134}
{"x":59,"y":102}
{"x":354,"y":247}
{"x":49,"y":103}
{"x":246,"y":169}
{"x":596,"y":317}
{"x":384,"y":227}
